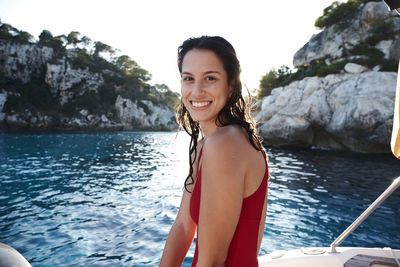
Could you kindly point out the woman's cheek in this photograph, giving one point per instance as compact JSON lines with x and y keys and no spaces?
{"x":185,"y":96}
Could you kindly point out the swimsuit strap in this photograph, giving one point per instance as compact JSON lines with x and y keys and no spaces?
{"x":198,"y":161}
{"x":201,"y":152}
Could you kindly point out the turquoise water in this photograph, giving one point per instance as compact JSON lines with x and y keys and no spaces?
{"x":110,"y":199}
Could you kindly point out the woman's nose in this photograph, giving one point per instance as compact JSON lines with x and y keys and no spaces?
{"x":198,"y":88}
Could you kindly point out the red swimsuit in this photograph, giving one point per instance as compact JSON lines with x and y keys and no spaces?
{"x":243,"y":247}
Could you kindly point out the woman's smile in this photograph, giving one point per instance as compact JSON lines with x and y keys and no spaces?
{"x":200,"y":104}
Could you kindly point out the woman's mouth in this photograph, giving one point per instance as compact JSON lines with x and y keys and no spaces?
{"x":200,"y":104}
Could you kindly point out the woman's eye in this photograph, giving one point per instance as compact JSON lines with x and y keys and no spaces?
{"x":187,"y":78}
{"x":210,"y":78}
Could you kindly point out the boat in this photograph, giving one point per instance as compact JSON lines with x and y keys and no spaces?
{"x":323,"y":257}
{"x":335,"y":256}
{"x":10,"y":257}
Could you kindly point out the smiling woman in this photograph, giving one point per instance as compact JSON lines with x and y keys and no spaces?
{"x":205,"y":86}
{"x":225,"y":191}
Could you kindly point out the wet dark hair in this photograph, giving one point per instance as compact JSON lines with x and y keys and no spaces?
{"x":236,"y":110}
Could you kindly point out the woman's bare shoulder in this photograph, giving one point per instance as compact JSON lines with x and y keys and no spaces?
{"x":229,"y":141}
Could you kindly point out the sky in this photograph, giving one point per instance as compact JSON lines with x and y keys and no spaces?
{"x":265,"y":34}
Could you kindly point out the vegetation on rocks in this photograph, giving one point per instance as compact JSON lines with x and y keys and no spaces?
{"x":121,"y":74}
{"x":338,"y":16}
{"x":337,"y":13}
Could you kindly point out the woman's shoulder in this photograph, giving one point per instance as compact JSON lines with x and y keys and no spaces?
{"x":227,"y":140}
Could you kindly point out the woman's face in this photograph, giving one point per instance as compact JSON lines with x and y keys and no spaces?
{"x":204,"y":85}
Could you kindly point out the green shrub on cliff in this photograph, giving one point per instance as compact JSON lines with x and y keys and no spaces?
{"x":274,"y":78}
{"x":81,"y":59}
{"x":9,"y":33}
{"x":284,"y":75}
{"x":337,"y":13}
{"x":170,"y":98}
{"x":122,"y":76}
{"x":267,"y":83}
{"x":381,"y":30}
{"x":374,"y":55}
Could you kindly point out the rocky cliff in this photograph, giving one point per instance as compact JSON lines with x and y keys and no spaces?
{"x":352,"y":109}
{"x":44,"y":87}
{"x":334,"y":44}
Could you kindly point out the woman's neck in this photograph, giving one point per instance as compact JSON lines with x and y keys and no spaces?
{"x":208,"y":128}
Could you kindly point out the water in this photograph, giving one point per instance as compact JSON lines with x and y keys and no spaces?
{"x":110,"y":199}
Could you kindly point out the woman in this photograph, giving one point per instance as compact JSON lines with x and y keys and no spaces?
{"x":225,"y":191}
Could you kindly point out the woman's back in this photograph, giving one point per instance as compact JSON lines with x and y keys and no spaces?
{"x":244,"y":245}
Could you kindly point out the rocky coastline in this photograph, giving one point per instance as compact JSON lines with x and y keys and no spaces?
{"x":351,"y":110}
{"x":67,"y":88}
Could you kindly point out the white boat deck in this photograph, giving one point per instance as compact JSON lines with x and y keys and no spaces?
{"x":322,"y":257}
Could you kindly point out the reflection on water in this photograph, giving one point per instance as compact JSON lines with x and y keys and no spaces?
{"x":110,"y":199}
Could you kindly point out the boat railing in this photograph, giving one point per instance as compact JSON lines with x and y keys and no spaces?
{"x":395,"y":184}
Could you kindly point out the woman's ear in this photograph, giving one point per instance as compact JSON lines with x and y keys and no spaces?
{"x":230,"y":89}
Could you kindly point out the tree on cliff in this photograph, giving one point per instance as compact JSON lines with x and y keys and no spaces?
{"x":46,"y":39}
{"x":339,"y":13}
{"x":131,"y":68}
{"x":8,"y":32}
{"x":100,"y":47}
{"x":73,"y":38}
{"x":83,"y":59}
{"x":273,"y":79}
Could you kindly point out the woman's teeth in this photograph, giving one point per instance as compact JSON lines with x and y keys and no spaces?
{"x":200,"y":104}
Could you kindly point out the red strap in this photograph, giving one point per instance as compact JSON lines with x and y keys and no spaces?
{"x":201,"y":152}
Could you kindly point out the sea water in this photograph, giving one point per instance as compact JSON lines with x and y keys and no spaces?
{"x":110,"y":199}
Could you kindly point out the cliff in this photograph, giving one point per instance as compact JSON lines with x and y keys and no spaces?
{"x":349,"y":109}
{"x":367,"y":25}
{"x":66,"y":82}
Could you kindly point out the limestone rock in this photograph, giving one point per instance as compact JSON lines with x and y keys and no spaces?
{"x":84,"y":112}
{"x":144,"y":114}
{"x":66,"y":83}
{"x":28,"y":119}
{"x":334,"y":44}
{"x":20,"y":61}
{"x":354,"y":68}
{"x":104,"y":119}
{"x":342,"y":111}
{"x":385,"y":46}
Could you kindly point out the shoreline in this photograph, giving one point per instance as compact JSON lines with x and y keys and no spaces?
{"x":76,"y":131}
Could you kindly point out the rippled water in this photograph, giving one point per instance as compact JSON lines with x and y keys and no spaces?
{"x":110,"y":199}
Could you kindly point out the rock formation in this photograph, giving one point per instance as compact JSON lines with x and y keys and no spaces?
{"x":20,"y":61}
{"x":334,"y":44}
{"x":66,"y":83}
{"x":341,"y":111}
{"x":143,"y":114}
{"x":63,"y":83}
{"x":351,"y":110}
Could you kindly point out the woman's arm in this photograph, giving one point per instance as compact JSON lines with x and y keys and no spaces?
{"x":183,"y":229}
{"x":180,"y":236}
{"x":222,"y":189}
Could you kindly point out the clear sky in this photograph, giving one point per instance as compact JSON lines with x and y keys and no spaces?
{"x":264,"y":33}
